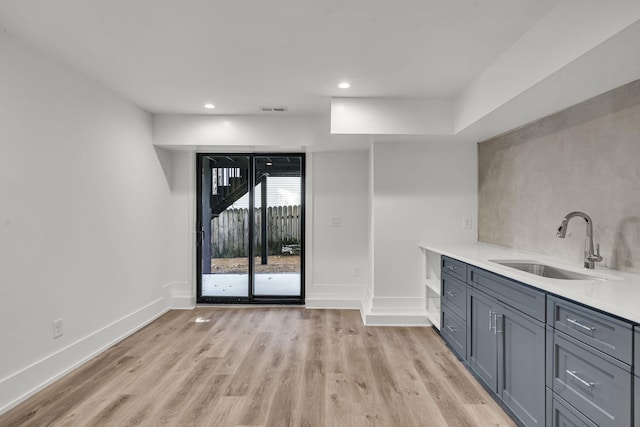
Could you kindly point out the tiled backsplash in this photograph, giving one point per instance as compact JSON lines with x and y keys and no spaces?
{"x":585,"y":158}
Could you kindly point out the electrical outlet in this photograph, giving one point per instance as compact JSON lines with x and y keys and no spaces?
{"x":335,"y":221}
{"x":466,"y":222}
{"x":356,"y":271}
{"x":57,"y":328}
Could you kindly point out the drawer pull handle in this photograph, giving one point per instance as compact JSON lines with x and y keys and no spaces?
{"x":451,"y":294}
{"x":574,"y":374}
{"x":452,"y":329}
{"x":574,"y":322}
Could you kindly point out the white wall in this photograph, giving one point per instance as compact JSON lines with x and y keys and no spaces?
{"x":339,"y":188}
{"x":84,"y":203}
{"x":421,"y":192}
{"x":392,"y":116}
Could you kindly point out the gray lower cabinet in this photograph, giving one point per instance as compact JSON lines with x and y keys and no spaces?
{"x":561,"y":414}
{"x":597,"y":385}
{"x":550,"y":361}
{"x":454,"y":331}
{"x":636,"y":378}
{"x":506,"y":351}
{"x":636,"y":401}
{"x":453,"y":321}
{"x":482,"y":349}
{"x":598,"y":330}
{"x":521,"y":370}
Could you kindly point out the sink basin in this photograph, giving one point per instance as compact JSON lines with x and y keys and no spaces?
{"x":544,"y":270}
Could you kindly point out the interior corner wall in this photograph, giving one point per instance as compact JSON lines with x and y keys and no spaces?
{"x":183,"y":248}
{"x":421,"y":193}
{"x":85,"y":205}
{"x":340,"y":262}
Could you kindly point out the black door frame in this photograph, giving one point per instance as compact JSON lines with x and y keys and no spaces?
{"x":251,"y":299}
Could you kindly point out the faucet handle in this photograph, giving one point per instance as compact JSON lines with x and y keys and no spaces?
{"x":596,"y":257}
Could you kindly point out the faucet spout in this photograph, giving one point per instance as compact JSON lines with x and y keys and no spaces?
{"x":590,"y":256}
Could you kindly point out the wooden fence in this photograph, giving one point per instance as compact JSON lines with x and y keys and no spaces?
{"x":230,"y":231}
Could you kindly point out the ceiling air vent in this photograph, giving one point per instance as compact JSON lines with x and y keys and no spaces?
{"x":273,"y":109}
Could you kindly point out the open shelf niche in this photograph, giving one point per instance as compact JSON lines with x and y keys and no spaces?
{"x":431,"y":278}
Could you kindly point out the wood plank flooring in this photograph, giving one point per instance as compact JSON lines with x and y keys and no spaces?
{"x":266,"y":366}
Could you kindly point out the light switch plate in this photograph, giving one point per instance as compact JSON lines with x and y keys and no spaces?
{"x":466,"y":222}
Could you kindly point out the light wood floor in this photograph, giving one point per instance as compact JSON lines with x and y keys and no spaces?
{"x":266,"y":367}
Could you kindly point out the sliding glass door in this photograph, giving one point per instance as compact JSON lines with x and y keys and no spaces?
{"x":250,"y":228}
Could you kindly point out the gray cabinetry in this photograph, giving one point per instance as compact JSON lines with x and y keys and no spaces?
{"x":506,"y":351}
{"x":454,"y":295}
{"x":482,"y":351}
{"x":454,"y":268}
{"x":453,"y":323}
{"x":549,"y":361}
{"x":454,"y":331}
{"x":597,"y":385}
{"x":521,"y":376}
{"x":517,"y":295}
{"x":605,"y":333}
{"x":636,"y":401}
{"x":589,"y":362}
{"x":561,"y":414}
{"x":636,"y":378}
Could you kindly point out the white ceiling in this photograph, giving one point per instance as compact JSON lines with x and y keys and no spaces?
{"x":171,"y":56}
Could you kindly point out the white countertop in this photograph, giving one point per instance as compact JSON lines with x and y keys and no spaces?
{"x":612,"y":291}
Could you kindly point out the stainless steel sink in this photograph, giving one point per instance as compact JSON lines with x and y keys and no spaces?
{"x":544,"y":270}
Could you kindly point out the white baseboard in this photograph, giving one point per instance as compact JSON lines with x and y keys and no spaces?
{"x":375,"y":311}
{"x":395,"y":311}
{"x":22,"y":384}
{"x":396,"y":319}
{"x":338,"y":296}
{"x":179,"y":295}
{"x":333,"y":303}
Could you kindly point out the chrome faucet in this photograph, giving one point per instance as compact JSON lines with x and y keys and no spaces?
{"x":590,"y":257}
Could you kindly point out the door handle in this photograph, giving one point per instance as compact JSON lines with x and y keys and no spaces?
{"x":490,"y":320}
{"x":576,"y":323}
{"x":574,"y":375}
{"x":495,"y":328}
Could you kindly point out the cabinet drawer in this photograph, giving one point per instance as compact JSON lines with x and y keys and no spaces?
{"x":599,"y":387}
{"x":454,"y":332}
{"x":564,"y":415}
{"x":607,"y":334}
{"x":519,"y":296}
{"x":455,"y":268}
{"x":454,"y":295}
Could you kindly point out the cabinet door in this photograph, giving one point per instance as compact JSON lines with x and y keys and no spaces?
{"x":521,"y":374}
{"x":482,"y":349}
{"x":636,"y":400}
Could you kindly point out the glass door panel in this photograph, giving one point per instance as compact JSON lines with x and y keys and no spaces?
{"x":278,"y":226}
{"x":250,"y":228}
{"x":224,"y":226}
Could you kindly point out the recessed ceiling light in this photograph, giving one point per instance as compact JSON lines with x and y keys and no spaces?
{"x":209,"y":106}
{"x":344,"y":85}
